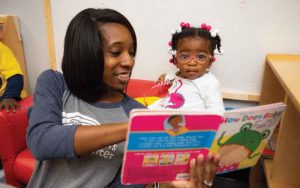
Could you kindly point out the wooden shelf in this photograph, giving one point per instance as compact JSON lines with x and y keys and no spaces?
{"x":267,"y":169}
{"x":287,"y":72}
{"x":281,"y":83}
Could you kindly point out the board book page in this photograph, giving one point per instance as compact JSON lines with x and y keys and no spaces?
{"x":161,"y":143}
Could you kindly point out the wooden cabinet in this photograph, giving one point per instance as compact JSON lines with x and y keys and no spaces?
{"x":281,"y":82}
{"x":12,"y":39}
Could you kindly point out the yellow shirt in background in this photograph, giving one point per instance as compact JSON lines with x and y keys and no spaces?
{"x":9,"y":66}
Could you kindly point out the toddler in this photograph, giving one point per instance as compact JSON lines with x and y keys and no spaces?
{"x":193,"y":86}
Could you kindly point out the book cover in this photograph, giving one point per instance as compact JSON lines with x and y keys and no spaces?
{"x":160,"y":144}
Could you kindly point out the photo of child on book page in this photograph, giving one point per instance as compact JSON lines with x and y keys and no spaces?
{"x":175,"y":125}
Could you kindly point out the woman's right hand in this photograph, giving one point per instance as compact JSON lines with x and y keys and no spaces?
{"x":202,"y":173}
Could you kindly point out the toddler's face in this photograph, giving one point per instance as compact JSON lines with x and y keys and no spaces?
{"x":193,"y":57}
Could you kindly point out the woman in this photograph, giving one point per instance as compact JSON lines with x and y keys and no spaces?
{"x":79,"y":120}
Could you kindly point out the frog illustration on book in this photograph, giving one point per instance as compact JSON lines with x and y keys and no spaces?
{"x":240,"y":146}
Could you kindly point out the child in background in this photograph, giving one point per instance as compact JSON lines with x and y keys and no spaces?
{"x":193,"y":87}
{"x":11,"y":77}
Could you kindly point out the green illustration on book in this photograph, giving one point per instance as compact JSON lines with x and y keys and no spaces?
{"x":243,"y":135}
{"x":242,"y":144}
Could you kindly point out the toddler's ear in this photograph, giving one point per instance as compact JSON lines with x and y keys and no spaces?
{"x":209,"y":64}
{"x":176,"y":63}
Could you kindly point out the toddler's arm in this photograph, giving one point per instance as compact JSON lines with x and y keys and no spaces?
{"x":166,"y":77}
{"x":213,"y":99}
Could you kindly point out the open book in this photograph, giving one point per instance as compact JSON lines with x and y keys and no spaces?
{"x":161,"y":143}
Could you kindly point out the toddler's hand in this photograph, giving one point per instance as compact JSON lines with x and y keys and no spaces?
{"x":161,"y":78}
{"x":9,"y":104}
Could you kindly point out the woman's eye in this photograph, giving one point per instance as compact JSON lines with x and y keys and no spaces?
{"x":132,"y":53}
{"x":115,"y":53}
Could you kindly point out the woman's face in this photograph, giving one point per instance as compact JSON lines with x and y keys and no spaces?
{"x":118,"y":55}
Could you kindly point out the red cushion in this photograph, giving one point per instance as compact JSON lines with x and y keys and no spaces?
{"x":23,"y":166}
{"x":141,"y":88}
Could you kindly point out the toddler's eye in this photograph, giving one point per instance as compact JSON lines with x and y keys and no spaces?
{"x":202,"y":57}
{"x":183,"y":57}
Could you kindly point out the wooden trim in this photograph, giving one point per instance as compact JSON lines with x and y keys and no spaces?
{"x":241,"y":96}
{"x":282,"y":57}
{"x":49,"y":28}
{"x":2,"y":19}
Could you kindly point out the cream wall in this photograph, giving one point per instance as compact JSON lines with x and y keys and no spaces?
{"x":250,"y":29}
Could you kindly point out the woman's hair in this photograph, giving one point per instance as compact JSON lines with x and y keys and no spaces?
{"x":83,"y":58}
{"x":215,"y":42}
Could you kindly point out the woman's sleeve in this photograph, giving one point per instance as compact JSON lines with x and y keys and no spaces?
{"x":46,"y":137}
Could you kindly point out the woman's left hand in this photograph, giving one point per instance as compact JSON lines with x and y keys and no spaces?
{"x":202,"y":173}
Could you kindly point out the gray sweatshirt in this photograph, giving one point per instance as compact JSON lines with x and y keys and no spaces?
{"x":53,"y":120}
